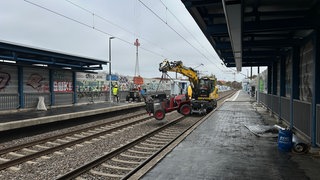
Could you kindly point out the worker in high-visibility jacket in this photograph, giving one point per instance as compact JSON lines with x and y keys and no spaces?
{"x":190,"y":91}
{"x":115,"y":91}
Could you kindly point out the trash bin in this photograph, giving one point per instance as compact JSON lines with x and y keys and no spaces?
{"x":285,"y":140}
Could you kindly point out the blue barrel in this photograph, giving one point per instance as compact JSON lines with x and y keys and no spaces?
{"x":285,"y":140}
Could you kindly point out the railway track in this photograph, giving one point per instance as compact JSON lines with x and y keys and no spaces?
{"x":136,"y":155}
{"x":125,"y":161}
{"x":25,"y":152}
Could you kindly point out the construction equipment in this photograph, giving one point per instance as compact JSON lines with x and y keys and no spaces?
{"x":203,"y":99}
{"x":134,"y":91}
{"x":134,"y":94}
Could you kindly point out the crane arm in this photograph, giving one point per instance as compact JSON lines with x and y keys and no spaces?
{"x":177,"y":66}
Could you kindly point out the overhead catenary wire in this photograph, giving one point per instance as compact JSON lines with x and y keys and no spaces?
{"x":184,"y":27}
{"x":167,"y":9}
{"x":116,"y":25}
{"x":92,"y":26}
{"x":165,"y":22}
{"x":89,"y":26}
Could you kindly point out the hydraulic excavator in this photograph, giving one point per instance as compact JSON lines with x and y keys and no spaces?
{"x":204,"y":93}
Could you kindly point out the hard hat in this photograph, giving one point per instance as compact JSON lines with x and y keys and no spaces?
{"x":115,"y":85}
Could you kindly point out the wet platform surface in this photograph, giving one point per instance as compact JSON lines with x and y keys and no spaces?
{"x":223,"y":148}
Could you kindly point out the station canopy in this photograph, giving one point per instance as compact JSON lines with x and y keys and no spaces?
{"x":30,"y":56}
{"x":254,"y":32}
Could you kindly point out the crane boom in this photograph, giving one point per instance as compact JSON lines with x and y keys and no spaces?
{"x":177,"y":66}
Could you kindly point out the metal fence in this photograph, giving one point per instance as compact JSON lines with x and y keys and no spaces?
{"x":301,"y":112}
{"x":302,"y":117}
{"x":31,"y":99}
{"x":63,"y":98}
{"x":9,"y":101}
{"x":318,"y":124}
{"x":285,"y":109}
{"x":275,"y":104}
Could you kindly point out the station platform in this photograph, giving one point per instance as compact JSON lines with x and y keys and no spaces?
{"x":10,"y":121}
{"x":222,"y":147}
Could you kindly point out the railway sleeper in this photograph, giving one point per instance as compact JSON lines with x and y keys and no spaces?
{"x":132,"y":157}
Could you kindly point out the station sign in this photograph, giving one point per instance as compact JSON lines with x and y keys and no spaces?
{"x":113,"y":77}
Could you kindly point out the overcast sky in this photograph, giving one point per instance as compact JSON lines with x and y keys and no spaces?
{"x":164,"y":28}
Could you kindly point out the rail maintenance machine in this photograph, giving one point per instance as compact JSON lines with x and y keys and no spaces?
{"x":204,"y":94}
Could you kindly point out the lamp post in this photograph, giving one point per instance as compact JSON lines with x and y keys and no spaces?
{"x":110,"y":95}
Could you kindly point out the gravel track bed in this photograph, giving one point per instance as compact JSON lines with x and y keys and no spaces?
{"x":182,"y":126}
{"x":59,"y":164}
{"x":60,"y":131}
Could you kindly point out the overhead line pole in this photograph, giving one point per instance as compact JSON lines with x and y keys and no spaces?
{"x":110,"y":84}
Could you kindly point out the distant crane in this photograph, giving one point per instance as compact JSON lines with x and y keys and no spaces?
{"x":137,"y":79}
{"x":134,"y":92}
{"x":136,"y":70}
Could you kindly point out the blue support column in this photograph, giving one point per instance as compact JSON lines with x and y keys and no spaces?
{"x":282,"y":81}
{"x":74,"y":83}
{"x":269,"y":78}
{"x":315,"y":87}
{"x":258,"y":88}
{"x":51,"y":87}
{"x":20,"y":87}
{"x":282,"y":76}
{"x":295,"y":81}
{"x":274,"y":83}
{"x":274,"y":77}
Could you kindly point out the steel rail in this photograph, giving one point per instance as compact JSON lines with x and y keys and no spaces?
{"x":85,"y":168}
{"x":65,"y":145}
{"x":144,"y":163}
{"x":44,"y":140}
{"x":76,"y":172}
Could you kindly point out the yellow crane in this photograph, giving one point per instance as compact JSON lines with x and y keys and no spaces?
{"x":204,"y":90}
{"x":204,"y":93}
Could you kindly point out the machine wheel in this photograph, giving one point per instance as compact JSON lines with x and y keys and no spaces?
{"x":159,"y":114}
{"x":185,"y":109}
{"x":209,"y":109}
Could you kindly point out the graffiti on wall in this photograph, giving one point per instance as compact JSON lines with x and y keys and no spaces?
{"x":87,"y":82}
{"x":8,"y":79}
{"x":36,"y":80}
{"x":126,"y":83}
{"x":62,"y":81}
{"x":90,"y":85}
{"x":306,"y":64}
{"x":62,"y":86}
{"x":4,"y":79}
{"x":156,"y":85}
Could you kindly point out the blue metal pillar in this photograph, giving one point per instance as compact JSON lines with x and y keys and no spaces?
{"x":269,"y":78}
{"x":282,"y":75}
{"x":74,"y":83}
{"x":274,"y":83}
{"x":258,"y":88}
{"x":20,"y":87}
{"x":274,"y":77}
{"x":315,"y":87}
{"x":282,"y":81}
{"x":51,"y":87}
{"x":295,"y":81}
